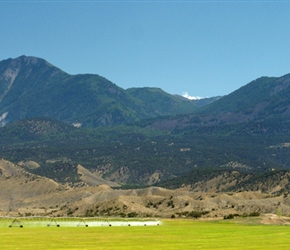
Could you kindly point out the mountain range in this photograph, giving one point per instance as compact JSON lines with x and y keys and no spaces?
{"x":81,"y":130}
{"x":32,"y":87}
{"x":261,"y":106}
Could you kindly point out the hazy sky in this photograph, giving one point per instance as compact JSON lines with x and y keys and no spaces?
{"x":205,"y":48}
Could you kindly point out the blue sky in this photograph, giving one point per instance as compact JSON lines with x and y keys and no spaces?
{"x":205,"y":48}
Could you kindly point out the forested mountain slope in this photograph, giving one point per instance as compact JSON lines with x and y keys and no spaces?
{"x":246,"y":131}
{"x":259,"y":107}
{"x":32,"y":87}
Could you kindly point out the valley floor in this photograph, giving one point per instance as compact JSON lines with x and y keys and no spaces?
{"x":172,"y":234}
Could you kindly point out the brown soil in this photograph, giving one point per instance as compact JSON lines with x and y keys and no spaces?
{"x":22,"y":193}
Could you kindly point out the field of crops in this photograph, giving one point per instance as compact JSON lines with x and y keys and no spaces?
{"x":171,"y":234}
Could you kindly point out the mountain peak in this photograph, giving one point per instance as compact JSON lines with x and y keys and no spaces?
{"x":25,"y":60}
{"x":32,"y":87}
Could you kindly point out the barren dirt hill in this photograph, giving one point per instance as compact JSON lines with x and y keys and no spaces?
{"x":22,"y":193}
{"x":92,"y":179}
{"x":17,"y":185}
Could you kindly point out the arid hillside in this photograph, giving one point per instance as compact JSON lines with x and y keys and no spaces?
{"x":25,"y":194}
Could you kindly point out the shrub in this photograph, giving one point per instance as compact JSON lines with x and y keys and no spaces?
{"x":194,"y":214}
{"x":170,"y":204}
{"x":253,"y":214}
{"x":132,"y":214}
{"x":123,"y":215}
{"x":229,"y":217}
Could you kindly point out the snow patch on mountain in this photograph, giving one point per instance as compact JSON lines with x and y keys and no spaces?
{"x":186,"y":95}
{"x":77,"y":124}
{"x":2,"y":119}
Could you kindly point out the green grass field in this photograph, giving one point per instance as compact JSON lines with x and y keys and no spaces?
{"x":172,"y":234}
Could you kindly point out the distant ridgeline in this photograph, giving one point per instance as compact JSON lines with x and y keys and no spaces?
{"x":142,"y":136}
{"x":31,"y":87}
